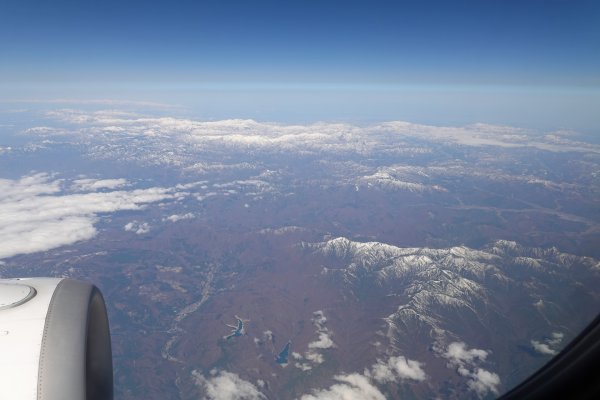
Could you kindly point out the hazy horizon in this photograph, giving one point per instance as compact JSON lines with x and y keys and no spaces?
{"x":528,"y":64}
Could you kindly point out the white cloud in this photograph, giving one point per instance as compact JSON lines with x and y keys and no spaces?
{"x":483,"y":381}
{"x":303,"y":366}
{"x":314,"y":357}
{"x":358,"y":386}
{"x":549,"y":346}
{"x":486,"y":135}
{"x":90,"y":185}
{"x":27,"y":186}
{"x":44,"y":131}
{"x":319,"y":319}
{"x":458,"y":353}
{"x":223,"y":385}
{"x":466,"y":361}
{"x":542,"y":348}
{"x":268,"y":336}
{"x":324,"y":342}
{"x":139,"y":228}
{"x":350,"y":387}
{"x":318,"y":137}
{"x":557,"y":337}
{"x":30,"y":236}
{"x":179,"y":217}
{"x":191,"y":185}
{"x":37,"y":217}
{"x":397,"y":368}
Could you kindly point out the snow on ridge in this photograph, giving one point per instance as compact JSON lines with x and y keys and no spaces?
{"x":379,"y":256}
{"x":448,"y":278}
{"x":184,"y":143}
{"x":386,"y":261}
{"x":343,"y":248}
{"x":436,"y":285}
{"x":319,"y":136}
{"x":387,"y":181}
{"x":539,"y":258}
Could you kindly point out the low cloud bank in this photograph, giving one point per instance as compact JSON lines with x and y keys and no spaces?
{"x":37,"y":215}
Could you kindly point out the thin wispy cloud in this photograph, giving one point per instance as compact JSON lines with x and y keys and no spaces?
{"x":96,"y":102}
{"x":89,"y":184}
{"x":179,"y":217}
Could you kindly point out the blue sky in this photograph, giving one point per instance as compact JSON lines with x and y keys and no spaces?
{"x":517,"y":62}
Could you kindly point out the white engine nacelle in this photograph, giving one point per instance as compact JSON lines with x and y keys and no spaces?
{"x":54,"y":341}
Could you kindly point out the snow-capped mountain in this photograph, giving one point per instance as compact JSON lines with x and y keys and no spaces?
{"x":501,"y":296}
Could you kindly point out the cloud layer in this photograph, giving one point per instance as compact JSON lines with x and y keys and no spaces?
{"x":168,"y":140}
{"x":38,"y":216}
{"x":337,"y":151}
